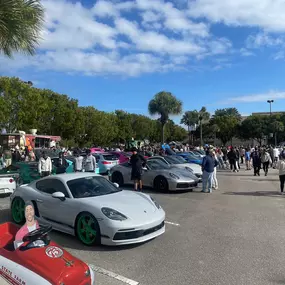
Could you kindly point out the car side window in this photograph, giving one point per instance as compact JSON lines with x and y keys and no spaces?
{"x":50,"y":186}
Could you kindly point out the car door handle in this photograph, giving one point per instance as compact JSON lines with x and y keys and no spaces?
{"x":40,"y":201}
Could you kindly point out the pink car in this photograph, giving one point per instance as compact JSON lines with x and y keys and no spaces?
{"x":122,"y":156}
{"x":96,"y":150}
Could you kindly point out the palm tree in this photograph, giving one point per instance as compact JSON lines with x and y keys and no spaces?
{"x":204,"y":116}
{"x":20,"y":25}
{"x":190,"y":119}
{"x":164,"y":104}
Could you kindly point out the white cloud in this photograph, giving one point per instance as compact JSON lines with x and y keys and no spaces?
{"x":265,"y":14}
{"x":144,"y":36}
{"x":272,"y":95}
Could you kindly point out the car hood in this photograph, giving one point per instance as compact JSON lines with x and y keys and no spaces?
{"x":131,"y":204}
{"x":181,"y":172}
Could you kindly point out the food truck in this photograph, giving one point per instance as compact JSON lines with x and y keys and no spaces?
{"x":21,"y":139}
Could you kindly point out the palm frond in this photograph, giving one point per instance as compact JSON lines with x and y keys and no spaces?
{"x":21,"y":22}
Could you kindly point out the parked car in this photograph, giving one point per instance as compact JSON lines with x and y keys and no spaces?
{"x":121,"y":156}
{"x":7,"y":184}
{"x":157,"y":175}
{"x":105,"y":161}
{"x":178,"y":161}
{"x":92,"y":208}
{"x":39,"y":260}
{"x":190,"y":158}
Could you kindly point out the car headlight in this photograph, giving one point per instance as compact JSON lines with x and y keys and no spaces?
{"x":173,"y":176}
{"x":156,"y":204}
{"x":113,"y":214}
{"x":189,"y":169}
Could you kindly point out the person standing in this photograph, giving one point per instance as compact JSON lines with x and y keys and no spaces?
{"x":78,"y":164}
{"x":45,"y":165}
{"x":8,"y":157}
{"x":208,"y":165}
{"x":138,"y":162}
{"x":247,"y":159}
{"x":232,"y":159}
{"x":215,"y":180}
{"x":256,"y":161}
{"x":266,"y":160}
{"x":275,"y":156}
{"x":62,"y":164}
{"x":89,"y":163}
{"x":281,"y":167}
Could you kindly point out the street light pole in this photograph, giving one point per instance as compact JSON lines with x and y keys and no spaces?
{"x":270,"y":102}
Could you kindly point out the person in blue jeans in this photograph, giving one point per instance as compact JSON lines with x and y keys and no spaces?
{"x":208,"y":165}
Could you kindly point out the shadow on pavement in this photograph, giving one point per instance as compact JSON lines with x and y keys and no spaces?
{"x":255,"y":193}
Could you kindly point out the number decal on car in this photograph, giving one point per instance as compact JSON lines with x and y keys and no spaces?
{"x":54,"y":252}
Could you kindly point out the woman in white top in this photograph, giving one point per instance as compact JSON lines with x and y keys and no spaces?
{"x":281,"y":168}
{"x":215,"y":180}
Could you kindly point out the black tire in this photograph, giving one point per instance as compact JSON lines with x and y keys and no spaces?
{"x":95,"y":227}
{"x":117,"y":177}
{"x":18,"y":211}
{"x":160,"y":184}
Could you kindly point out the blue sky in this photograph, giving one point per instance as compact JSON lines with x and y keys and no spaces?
{"x":118,"y":54}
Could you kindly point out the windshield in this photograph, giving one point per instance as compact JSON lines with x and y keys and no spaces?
{"x":91,"y":186}
{"x":109,"y":157}
{"x":156,"y":164}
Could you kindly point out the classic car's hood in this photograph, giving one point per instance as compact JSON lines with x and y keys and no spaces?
{"x":54,"y":269}
{"x":131,"y":204}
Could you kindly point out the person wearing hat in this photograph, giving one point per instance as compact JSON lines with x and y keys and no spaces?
{"x":30,"y":225}
{"x":137,"y":161}
{"x":45,"y":165}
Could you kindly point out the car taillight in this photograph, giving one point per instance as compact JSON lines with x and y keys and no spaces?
{"x":106,"y":162}
{"x":11,"y":180}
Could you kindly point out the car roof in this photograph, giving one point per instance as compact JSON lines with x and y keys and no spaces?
{"x":71,"y":176}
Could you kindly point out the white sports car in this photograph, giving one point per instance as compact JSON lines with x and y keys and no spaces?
{"x":92,"y":208}
{"x":7,"y":184}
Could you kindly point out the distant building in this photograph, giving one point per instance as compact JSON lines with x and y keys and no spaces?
{"x":268,"y":113}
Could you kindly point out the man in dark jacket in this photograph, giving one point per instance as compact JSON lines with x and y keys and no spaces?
{"x":232,"y":156}
{"x":256,"y":161}
{"x":62,"y":164}
{"x":208,"y":166}
{"x":138,"y":162}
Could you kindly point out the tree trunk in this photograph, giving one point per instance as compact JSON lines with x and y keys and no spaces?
{"x":201,"y":134}
{"x":189,"y":135}
{"x":162,"y":132}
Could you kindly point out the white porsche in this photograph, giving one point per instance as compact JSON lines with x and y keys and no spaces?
{"x":92,"y":208}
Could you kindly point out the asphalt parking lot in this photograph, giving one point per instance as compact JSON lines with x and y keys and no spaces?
{"x":234,"y":236}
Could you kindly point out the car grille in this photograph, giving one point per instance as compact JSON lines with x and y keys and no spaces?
{"x":186,"y":185}
{"x":137,"y":234}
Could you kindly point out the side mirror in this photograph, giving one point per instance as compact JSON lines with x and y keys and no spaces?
{"x":58,"y":195}
{"x":116,"y":185}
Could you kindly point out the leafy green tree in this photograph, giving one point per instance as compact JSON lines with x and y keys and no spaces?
{"x":254,"y":127}
{"x":164,"y":104}
{"x":189,"y":119}
{"x":225,"y":123}
{"x":124,"y":123}
{"x":20,"y":24}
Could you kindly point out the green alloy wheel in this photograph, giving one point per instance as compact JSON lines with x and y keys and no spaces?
{"x":87,"y":229}
{"x":18,"y":210}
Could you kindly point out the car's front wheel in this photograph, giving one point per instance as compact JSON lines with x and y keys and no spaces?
{"x":18,"y":210}
{"x":117,"y":177}
{"x":161,"y":184}
{"x":87,"y":229}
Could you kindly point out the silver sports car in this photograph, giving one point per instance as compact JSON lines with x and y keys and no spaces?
{"x":180,"y":162}
{"x":157,"y":175}
{"x":92,"y":208}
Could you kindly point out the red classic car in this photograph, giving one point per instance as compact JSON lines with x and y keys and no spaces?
{"x":39,"y":260}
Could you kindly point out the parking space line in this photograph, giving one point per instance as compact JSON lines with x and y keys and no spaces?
{"x":113,"y":275}
{"x":173,"y":224}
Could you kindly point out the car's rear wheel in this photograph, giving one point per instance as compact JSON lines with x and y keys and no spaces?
{"x":87,"y":229}
{"x":117,"y":177}
{"x":18,"y":210}
{"x":161,"y":184}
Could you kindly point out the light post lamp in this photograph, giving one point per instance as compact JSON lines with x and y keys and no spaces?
{"x":270,"y":102}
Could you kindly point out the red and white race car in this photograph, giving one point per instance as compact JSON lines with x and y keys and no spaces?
{"x":39,"y":260}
